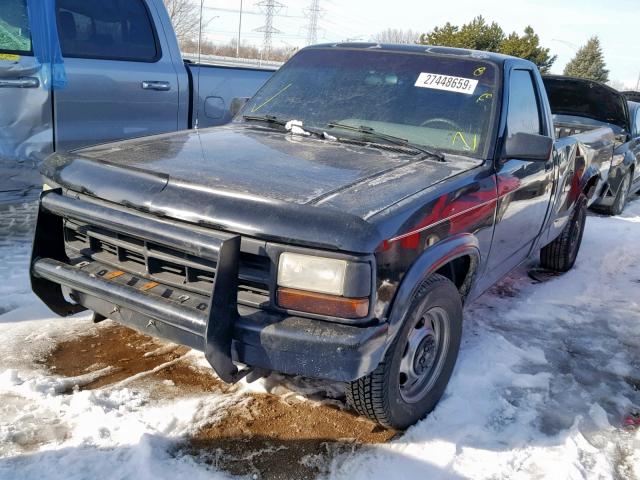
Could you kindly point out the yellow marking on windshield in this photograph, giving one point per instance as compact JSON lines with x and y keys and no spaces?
{"x":281,"y":91}
{"x":460,"y":135}
{"x":484,"y":96}
{"x":479,"y":71}
{"x":9,"y":57}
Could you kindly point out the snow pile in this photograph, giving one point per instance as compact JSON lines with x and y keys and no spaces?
{"x":107,"y":433}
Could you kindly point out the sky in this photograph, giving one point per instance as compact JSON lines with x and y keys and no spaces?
{"x":563,"y":25}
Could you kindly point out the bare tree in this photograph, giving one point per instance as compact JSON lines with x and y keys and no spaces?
{"x":278,"y":54}
{"x":185,"y":17}
{"x":395,"y":35}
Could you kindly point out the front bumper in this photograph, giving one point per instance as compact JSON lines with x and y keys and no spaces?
{"x":225,"y":331}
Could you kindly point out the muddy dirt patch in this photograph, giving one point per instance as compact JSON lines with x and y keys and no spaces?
{"x":271,"y":439}
{"x":180,"y":379}
{"x":118,"y":351}
{"x":263,"y":435}
{"x":115,"y":353}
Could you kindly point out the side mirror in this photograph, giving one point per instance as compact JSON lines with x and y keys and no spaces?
{"x":527,"y":146}
{"x":237,"y":104}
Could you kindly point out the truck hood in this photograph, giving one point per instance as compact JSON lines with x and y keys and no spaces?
{"x":586,"y":98}
{"x":255,"y":181}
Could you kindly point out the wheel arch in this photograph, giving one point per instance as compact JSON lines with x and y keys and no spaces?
{"x":590,"y":180}
{"x":457,"y":257}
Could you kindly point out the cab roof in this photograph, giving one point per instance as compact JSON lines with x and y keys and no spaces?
{"x":496,"y":58}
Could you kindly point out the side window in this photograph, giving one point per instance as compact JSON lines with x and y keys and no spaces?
{"x":524,"y":114}
{"x":109,"y":30}
{"x":636,"y":126}
{"x":15,"y":36}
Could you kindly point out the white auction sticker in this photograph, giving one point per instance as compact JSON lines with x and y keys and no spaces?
{"x":447,"y":82}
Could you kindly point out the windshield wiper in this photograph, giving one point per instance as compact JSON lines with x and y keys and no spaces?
{"x":265,"y":118}
{"x":389,"y":138}
{"x":284,"y":123}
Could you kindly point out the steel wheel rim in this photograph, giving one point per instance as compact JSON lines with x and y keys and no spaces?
{"x":424,"y":354}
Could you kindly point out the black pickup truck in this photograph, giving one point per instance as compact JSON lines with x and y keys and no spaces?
{"x":335,"y":229}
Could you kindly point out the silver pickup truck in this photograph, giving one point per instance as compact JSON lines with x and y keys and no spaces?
{"x":77,"y":73}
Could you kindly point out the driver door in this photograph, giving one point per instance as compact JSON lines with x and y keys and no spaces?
{"x":25,"y":104}
{"x":524,"y":187}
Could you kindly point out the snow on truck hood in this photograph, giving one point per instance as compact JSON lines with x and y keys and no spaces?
{"x":248,"y":168}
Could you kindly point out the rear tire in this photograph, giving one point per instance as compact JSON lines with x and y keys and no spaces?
{"x":560,"y":255}
{"x":412,"y":378}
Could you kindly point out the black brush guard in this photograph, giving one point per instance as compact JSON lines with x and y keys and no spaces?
{"x":50,"y":270}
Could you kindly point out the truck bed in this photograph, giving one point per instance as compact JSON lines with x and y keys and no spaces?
{"x":215,"y":85}
{"x":594,"y":152}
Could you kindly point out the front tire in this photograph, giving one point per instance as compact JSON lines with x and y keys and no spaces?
{"x":560,"y":255}
{"x":412,"y":378}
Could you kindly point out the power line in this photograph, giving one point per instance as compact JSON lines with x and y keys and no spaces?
{"x":250,"y":12}
{"x":271,"y":9}
{"x":312,"y":28}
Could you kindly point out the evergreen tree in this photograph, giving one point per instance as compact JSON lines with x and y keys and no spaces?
{"x":480,"y":35}
{"x":589,"y":62}
{"x":528,"y":46}
{"x":476,"y":35}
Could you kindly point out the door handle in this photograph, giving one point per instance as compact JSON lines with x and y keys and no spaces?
{"x":22,"y":82}
{"x":153,"y":85}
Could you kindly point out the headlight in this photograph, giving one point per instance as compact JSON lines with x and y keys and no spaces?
{"x":313,"y":274}
{"x":46,"y":187}
{"x":617,"y":160}
{"x":324,"y":286}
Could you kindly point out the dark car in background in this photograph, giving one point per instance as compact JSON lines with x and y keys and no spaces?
{"x":632,"y":96}
{"x":579,"y":105}
{"x":634,"y":113}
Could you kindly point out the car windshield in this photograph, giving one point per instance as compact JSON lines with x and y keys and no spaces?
{"x":444,"y":102}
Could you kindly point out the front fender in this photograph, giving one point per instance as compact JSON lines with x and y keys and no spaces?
{"x":432,"y":259}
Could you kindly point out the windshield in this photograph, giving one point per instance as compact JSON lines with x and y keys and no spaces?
{"x":443,"y":102}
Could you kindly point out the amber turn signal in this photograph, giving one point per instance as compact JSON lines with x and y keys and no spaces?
{"x":322,"y":304}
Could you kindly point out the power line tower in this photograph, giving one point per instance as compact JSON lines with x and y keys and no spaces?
{"x":271,"y":9}
{"x":312,"y":27}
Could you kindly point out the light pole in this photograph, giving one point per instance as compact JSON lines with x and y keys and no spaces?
{"x":571,"y":45}
{"x":239,"y":32}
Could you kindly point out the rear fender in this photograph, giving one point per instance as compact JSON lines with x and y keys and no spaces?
{"x":431,"y":260}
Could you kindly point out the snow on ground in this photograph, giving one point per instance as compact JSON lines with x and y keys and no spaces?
{"x":546,"y":374}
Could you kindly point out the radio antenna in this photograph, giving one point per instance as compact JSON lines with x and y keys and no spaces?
{"x":197,"y":95}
